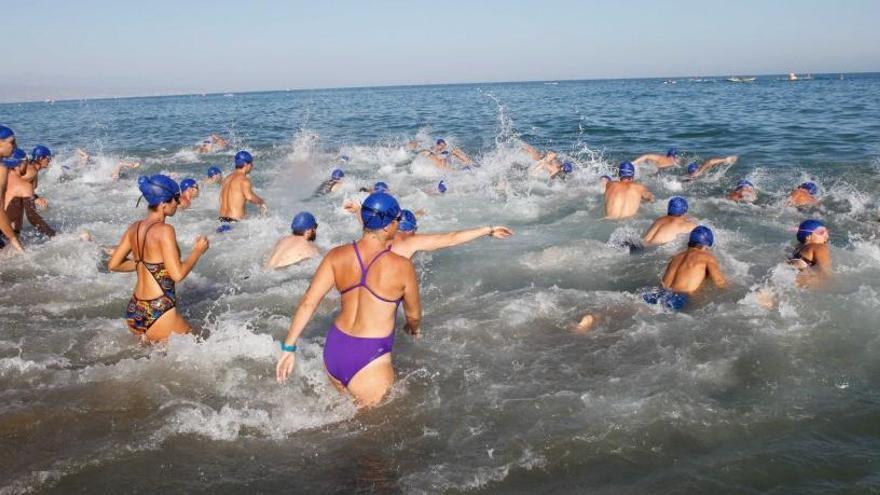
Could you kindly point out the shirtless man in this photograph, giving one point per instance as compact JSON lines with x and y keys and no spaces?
{"x":623,"y":198}
{"x":804,"y":195}
{"x":659,"y":161}
{"x":442,"y":157}
{"x":695,"y":169}
{"x":298,"y":246}
{"x":189,"y":190}
{"x":21,"y":198}
{"x":686,"y":272}
{"x":236,"y":190}
{"x":675,"y":223}
{"x":332,"y":184}
{"x":11,"y":165}
{"x":744,"y":192}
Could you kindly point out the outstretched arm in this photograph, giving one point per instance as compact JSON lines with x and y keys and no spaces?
{"x":433,"y":242}
{"x":461,"y":155}
{"x":531,"y":151}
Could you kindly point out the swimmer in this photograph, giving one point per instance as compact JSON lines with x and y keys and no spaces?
{"x":623,"y":197}
{"x":548,"y":162}
{"x":236,"y":190}
{"x":686,"y":272}
{"x":439,"y":190}
{"x":695,"y":169}
{"x":213,"y":176}
{"x":804,"y":195}
{"x":812,"y":258}
{"x":406,"y":242}
{"x":332,"y":184}
{"x":83,"y":157}
{"x":443,"y":157}
{"x":675,"y":223}
{"x":211,"y":144}
{"x":121,"y":166}
{"x":670,"y":159}
{"x":377,"y":187}
{"x":21,"y":198}
{"x":298,"y":246}
{"x":744,"y":192}
{"x":155,"y":256}
{"x":372,"y":282}
{"x":189,"y":190}
{"x":13,"y":160}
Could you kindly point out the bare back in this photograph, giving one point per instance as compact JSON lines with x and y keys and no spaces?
{"x":667,"y":228}
{"x":17,"y":187}
{"x":622,"y":199}
{"x":145,"y":244}
{"x":687,"y":270}
{"x":290,"y":250}
{"x":232,"y":196}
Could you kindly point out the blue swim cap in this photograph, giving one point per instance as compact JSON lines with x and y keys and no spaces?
{"x":214,"y":170}
{"x":678,"y":206}
{"x":408,"y":221}
{"x":442,"y":187}
{"x":337,"y":174}
{"x":441,"y":141}
{"x":806,"y":228}
{"x":626,"y":170}
{"x":692,"y":167}
{"x":380,"y":187}
{"x":810,"y":187}
{"x":608,"y":177}
{"x":243,"y":158}
{"x":6,"y":132}
{"x":379,"y":210}
{"x":673,"y":152}
{"x":302,"y":222}
{"x":18,"y":157}
{"x":702,"y":236}
{"x":188,"y":183}
{"x":743,"y":184}
{"x":158,"y":189}
{"x":40,"y":151}
{"x":568,"y":167}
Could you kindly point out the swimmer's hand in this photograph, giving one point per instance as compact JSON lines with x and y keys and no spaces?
{"x":412,"y":329}
{"x":351,"y":207}
{"x":731,"y":159}
{"x":42,"y":203}
{"x":500,"y":232}
{"x":16,"y":245}
{"x":201,"y":245}
{"x":264,"y":209}
{"x":284,"y":367}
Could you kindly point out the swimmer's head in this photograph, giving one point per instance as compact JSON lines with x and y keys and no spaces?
{"x":810,"y":187}
{"x":626,"y":170}
{"x":693,"y":167}
{"x":158,"y":189}
{"x":16,"y":159}
{"x":243,"y":159}
{"x":440,"y":142}
{"x":40,"y":152}
{"x":343,"y":158}
{"x":701,"y":236}
{"x":186,"y":184}
{"x":808,"y":228}
{"x":337,"y":174}
{"x":441,"y":187}
{"x":379,"y":210}
{"x":214,"y":171}
{"x":7,"y":141}
{"x":743,"y":184}
{"x":6,"y":132}
{"x":408,"y":221}
{"x":605,"y":178}
{"x":567,"y":167}
{"x":677,"y":207}
{"x":302,"y":223}
{"x":672,"y":153}
{"x":380,"y":187}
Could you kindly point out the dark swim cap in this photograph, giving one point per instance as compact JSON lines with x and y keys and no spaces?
{"x":441,"y":141}
{"x":214,"y":171}
{"x":442,"y":187}
{"x":408,"y":221}
{"x":678,"y":206}
{"x":626,"y":170}
{"x":744,"y":184}
{"x":568,"y":167}
{"x":188,"y":183}
{"x":672,"y":153}
{"x":810,"y":187}
{"x":242,"y":158}
{"x":303,"y":221}
{"x":702,"y":236}
{"x":806,"y":228}
{"x":607,"y":177}
{"x":17,"y":158}
{"x":379,"y":210}
{"x":158,"y":189}
{"x":6,"y":133}
{"x":40,"y":151}
{"x":693,"y":167}
{"x":380,"y":187}
{"x":337,"y":174}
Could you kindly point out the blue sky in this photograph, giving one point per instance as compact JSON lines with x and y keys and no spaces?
{"x":108,"y":48}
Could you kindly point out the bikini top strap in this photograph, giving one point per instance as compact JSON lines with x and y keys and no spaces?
{"x":374,"y":260}
{"x":138,"y":242}
{"x":360,"y":261}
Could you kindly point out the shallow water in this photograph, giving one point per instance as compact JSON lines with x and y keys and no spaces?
{"x":498,"y":396}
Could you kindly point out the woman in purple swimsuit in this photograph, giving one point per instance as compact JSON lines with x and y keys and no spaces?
{"x":372,"y":282}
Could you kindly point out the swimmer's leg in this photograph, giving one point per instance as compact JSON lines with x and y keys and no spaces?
{"x":372,"y":382}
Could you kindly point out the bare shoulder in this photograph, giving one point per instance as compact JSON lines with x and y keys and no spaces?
{"x":400,"y":262}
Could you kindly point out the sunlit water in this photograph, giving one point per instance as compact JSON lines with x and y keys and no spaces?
{"x":498,"y":396}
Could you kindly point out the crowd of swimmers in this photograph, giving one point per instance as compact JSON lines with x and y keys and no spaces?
{"x":374,"y":274}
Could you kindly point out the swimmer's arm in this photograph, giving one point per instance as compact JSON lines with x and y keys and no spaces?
{"x":531,"y":151}
{"x":647,"y":195}
{"x":822,"y":257}
{"x":644,"y":158}
{"x":412,"y":305}
{"x":249,"y":195}
{"x":715,"y":274}
{"x":30,"y":174}
{"x":321,"y":284}
{"x":462,"y":156}
{"x":438,"y":162}
{"x":651,"y":231}
{"x":433,"y":242}
{"x":119,"y":260}
{"x":671,"y":270}
{"x":5,"y":226}
{"x":177,"y":270}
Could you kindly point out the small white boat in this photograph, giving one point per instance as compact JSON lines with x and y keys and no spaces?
{"x":736,"y":79}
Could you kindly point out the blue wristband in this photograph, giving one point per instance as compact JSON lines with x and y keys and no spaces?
{"x":288,"y":348}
